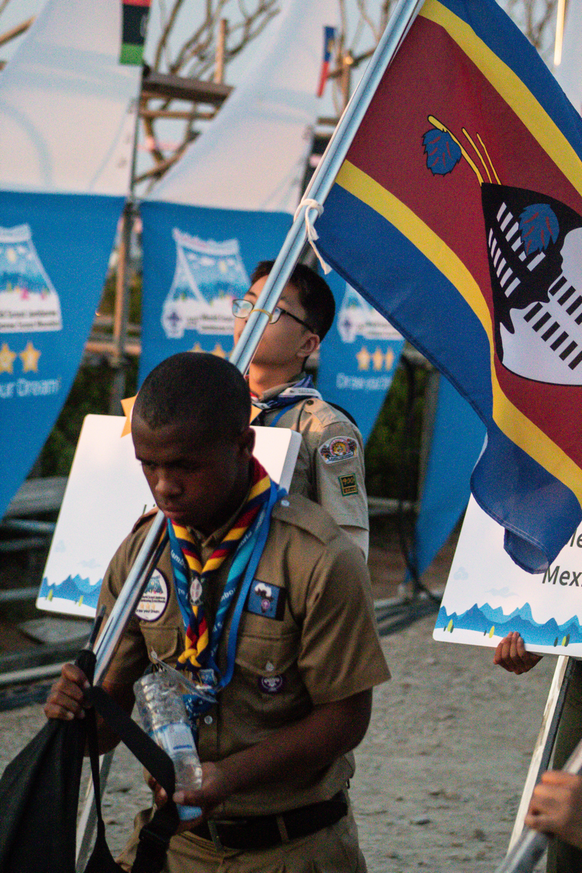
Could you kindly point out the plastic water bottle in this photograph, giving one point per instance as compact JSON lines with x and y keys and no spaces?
{"x":163,"y":716}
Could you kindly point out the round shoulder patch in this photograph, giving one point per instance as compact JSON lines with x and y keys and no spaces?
{"x":154,"y":599}
{"x":340,"y":448}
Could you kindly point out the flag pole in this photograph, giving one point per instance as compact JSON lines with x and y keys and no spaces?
{"x":322,"y":180}
{"x":317,"y":190}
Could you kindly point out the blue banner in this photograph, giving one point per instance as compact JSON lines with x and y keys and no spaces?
{"x":54,"y":252}
{"x":358,"y":357}
{"x":457,"y":439}
{"x":196,"y":261}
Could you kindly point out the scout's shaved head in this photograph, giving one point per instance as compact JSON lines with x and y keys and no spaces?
{"x":201,"y":390}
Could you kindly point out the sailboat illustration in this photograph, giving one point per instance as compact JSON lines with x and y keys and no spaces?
{"x":207,"y":277}
{"x":28,"y":299}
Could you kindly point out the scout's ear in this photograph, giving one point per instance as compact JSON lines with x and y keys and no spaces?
{"x":310,"y":345}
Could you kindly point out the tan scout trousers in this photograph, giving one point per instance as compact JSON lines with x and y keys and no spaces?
{"x":331,"y":850}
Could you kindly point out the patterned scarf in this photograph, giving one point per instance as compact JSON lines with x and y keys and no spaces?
{"x":186,"y":562}
{"x":290,"y":396}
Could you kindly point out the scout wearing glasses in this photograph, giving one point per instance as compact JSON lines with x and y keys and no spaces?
{"x":292,"y":695}
{"x":330,"y":466}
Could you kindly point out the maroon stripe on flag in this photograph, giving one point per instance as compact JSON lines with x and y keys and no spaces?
{"x":432,"y":76}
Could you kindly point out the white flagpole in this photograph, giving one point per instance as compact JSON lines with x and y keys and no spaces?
{"x":317,"y":191}
{"x":323,"y":179}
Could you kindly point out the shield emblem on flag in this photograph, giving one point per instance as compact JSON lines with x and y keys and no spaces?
{"x":534,"y":246}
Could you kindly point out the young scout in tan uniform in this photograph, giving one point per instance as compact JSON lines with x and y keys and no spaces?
{"x":330,"y":466}
{"x":276,"y":745}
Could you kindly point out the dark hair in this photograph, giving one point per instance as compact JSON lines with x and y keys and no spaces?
{"x":315,"y":295}
{"x":200,"y":389}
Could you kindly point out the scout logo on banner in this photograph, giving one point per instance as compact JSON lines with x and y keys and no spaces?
{"x":463,"y":188}
{"x":358,"y":357}
{"x":208,"y":276}
{"x":191,"y":279}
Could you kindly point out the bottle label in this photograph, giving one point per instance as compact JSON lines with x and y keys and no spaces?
{"x":175,"y":738}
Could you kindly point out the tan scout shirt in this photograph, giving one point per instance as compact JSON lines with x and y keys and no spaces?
{"x":307,"y":636}
{"x":330,"y":466}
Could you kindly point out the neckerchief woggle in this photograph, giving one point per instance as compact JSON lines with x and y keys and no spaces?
{"x":287,"y":398}
{"x":247,"y":555}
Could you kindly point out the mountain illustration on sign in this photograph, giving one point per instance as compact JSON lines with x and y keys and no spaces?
{"x":534,"y":250}
{"x":72,"y":589}
{"x":481,"y":619}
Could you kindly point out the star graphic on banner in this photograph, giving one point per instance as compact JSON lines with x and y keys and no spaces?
{"x":378,"y":358}
{"x":389,"y":359}
{"x":197,"y":348}
{"x":218,"y":351}
{"x":363,"y":359}
{"x":30,"y":357}
{"x":6,"y":359}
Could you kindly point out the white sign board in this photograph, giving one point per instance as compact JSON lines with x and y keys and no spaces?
{"x":106,"y":493}
{"x":487,"y":595}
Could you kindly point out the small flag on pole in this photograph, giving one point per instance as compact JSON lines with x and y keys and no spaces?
{"x":134,"y":29}
{"x":328,"y":44}
{"x":458,"y":214}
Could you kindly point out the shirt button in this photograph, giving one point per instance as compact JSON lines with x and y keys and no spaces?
{"x":208,"y":719}
{"x":284,"y":503}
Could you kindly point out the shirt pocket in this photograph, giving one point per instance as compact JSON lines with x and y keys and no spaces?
{"x":268,"y":690}
{"x":166,"y":642}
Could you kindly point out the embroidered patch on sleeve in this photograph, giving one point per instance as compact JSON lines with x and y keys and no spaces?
{"x":348,"y":485}
{"x":340,"y":448}
{"x":266,"y":600}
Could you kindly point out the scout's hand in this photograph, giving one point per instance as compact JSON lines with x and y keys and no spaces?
{"x":512,"y":656}
{"x":67,"y":697}
{"x":556,"y":806}
{"x":215,"y":789}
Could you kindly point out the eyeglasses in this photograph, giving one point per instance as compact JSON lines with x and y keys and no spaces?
{"x":243,"y":308}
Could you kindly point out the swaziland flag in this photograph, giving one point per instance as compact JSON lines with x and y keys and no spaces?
{"x":458,"y":214}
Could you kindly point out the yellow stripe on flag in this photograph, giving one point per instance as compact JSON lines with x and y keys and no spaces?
{"x":508,"y":417}
{"x":511,"y":88}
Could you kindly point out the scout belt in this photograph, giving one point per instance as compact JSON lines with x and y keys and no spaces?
{"x":264,"y":831}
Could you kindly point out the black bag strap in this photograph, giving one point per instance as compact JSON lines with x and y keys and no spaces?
{"x":155,"y":836}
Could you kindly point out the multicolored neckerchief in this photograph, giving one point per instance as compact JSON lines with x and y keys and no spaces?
{"x":190,"y":576}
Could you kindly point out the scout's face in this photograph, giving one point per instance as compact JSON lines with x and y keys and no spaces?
{"x":287,"y":341}
{"x":195,"y":482}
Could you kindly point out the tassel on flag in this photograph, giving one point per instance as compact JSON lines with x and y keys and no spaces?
{"x":328,"y":44}
{"x":134,"y":29}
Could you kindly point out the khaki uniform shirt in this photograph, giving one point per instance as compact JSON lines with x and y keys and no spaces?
{"x":307,"y":636}
{"x":330,"y":465}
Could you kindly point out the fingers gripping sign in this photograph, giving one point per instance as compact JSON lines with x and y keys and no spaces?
{"x":511,"y":654}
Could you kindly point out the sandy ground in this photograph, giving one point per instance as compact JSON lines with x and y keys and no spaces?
{"x":439,"y":774}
